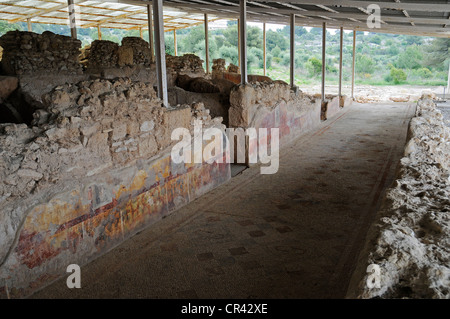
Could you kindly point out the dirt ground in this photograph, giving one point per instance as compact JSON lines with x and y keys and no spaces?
{"x":368,"y":93}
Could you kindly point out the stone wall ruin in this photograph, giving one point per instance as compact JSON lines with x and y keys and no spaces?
{"x":92,"y":165}
{"x":409,"y":240}
{"x":28,"y":52}
{"x":83,"y":167}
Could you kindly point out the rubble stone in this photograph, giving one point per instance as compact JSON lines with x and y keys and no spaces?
{"x":411,"y":238}
{"x":185,"y":64}
{"x":28,"y":52}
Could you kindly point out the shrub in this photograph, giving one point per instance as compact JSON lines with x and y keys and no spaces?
{"x":314,"y":66}
{"x":424,"y":73}
{"x":397,"y":75}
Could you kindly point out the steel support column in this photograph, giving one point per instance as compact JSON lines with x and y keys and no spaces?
{"x":72,"y":18}
{"x":341,"y":43}
{"x":324,"y":42}
{"x":161,"y":73}
{"x":353,"y":63}
{"x":243,"y":32}
{"x":292,"y":50}
{"x":264,"y":48}
{"x":206,"y":44}
{"x":150,"y":32}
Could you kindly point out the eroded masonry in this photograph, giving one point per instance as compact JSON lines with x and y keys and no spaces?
{"x":85,"y":144}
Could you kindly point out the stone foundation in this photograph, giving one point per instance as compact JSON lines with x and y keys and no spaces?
{"x":92,"y":170}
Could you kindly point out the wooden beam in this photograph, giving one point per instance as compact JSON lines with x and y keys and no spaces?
{"x":243,"y":40}
{"x":206,"y":43}
{"x":42,"y":12}
{"x":29,"y":26}
{"x":113,"y":18}
{"x":99,"y":32}
{"x":161,"y":72}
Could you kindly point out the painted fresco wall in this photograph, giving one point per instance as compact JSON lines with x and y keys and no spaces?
{"x":98,"y":213}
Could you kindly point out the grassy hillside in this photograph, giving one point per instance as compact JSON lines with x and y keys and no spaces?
{"x":381,"y":59}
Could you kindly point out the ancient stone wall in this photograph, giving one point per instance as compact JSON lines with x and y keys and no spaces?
{"x":140,"y":49}
{"x":28,"y":52}
{"x":274,"y":105}
{"x":92,"y":169}
{"x":188,"y":64}
{"x":102,"y":53}
{"x":410,"y":238}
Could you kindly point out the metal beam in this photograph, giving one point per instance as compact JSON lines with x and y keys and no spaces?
{"x":175,"y":44}
{"x":341,"y":43}
{"x":206,"y":43}
{"x":310,"y":13}
{"x":150,"y":32}
{"x":264,"y":48}
{"x":316,"y":18}
{"x":239,"y":42}
{"x":448,"y":80}
{"x":292,"y":51}
{"x":72,"y":18}
{"x":324,"y":41}
{"x":353,"y":63}
{"x":243,"y":40}
{"x":161,"y":72}
{"x":421,"y":7}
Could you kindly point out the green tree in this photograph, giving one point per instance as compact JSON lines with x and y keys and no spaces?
{"x":274,"y":39}
{"x":376,"y":39}
{"x":437,"y":53}
{"x":276,"y":51}
{"x":364,"y":64}
{"x":397,"y":75}
{"x":411,"y":58}
{"x":5,"y":27}
{"x":193,"y":38}
{"x":314,"y":66}
{"x":170,"y":45}
{"x":230,"y":54}
{"x":254,"y":37}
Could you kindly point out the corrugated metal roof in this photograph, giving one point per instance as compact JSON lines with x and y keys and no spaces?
{"x":94,"y":13}
{"x":417,"y":17}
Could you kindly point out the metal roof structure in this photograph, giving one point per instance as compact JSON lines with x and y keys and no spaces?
{"x":106,"y":14}
{"x":416,"y":17}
